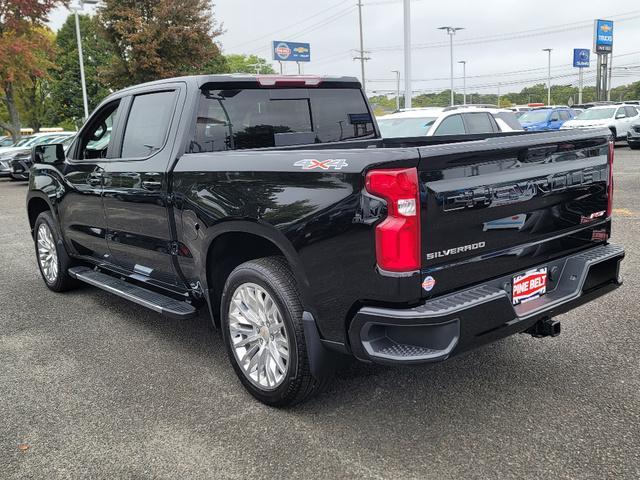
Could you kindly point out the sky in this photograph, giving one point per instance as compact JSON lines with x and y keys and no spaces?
{"x":502,"y":40}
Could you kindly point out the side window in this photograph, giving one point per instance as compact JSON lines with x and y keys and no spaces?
{"x":621,"y":113}
{"x":148,"y":124}
{"x":555,"y":116}
{"x":481,"y":122}
{"x":564,"y":115}
{"x":95,"y":138}
{"x":510,"y":119}
{"x":452,"y":125}
{"x":631,"y":111}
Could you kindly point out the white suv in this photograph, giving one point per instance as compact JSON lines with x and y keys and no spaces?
{"x":458,"y":120}
{"x":618,"y":118}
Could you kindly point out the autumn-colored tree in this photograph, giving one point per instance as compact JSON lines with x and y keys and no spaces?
{"x":156,"y":39}
{"x":25,"y":51}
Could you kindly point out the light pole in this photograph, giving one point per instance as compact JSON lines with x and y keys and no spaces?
{"x":464,"y":81}
{"x":407,"y":53}
{"x":451,"y":31}
{"x":85,"y":102}
{"x":548,"y":50}
{"x":397,"y":72}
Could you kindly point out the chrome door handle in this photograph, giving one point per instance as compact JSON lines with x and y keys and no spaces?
{"x":94,"y":179}
{"x":151,"y":185}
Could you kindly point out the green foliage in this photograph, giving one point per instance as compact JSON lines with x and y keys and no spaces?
{"x":66,"y":89}
{"x":560,"y":95}
{"x":247,"y":64}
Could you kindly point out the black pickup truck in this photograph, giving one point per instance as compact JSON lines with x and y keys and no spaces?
{"x":274,"y":202}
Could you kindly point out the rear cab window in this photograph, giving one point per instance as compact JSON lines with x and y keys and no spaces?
{"x":246,"y":118}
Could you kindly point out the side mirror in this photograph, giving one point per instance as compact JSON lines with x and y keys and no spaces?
{"x":52,"y":154}
{"x":620,"y":115}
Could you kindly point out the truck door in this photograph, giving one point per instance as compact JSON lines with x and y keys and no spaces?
{"x":81,"y":211}
{"x":136,"y":185}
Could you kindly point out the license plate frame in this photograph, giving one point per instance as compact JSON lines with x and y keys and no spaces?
{"x":529,"y":285}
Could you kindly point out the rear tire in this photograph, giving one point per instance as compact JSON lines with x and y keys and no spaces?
{"x":261,"y":321}
{"x":634,"y":146}
{"x":51,"y":255}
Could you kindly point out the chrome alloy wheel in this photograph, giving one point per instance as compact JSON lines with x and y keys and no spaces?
{"x":47,"y":253}
{"x":258,"y":336}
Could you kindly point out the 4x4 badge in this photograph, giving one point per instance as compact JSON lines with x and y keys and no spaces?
{"x":312,"y":163}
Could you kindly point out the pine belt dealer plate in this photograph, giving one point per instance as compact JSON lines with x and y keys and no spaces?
{"x":529,"y":285}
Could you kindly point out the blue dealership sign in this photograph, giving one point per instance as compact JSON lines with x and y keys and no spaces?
{"x":291,"y":51}
{"x":581,"y":57}
{"x":603,"y":36}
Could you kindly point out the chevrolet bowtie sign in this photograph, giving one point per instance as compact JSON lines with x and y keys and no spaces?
{"x":603,"y":36}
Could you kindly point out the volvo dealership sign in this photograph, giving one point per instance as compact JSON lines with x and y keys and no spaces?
{"x":603,"y":36}
{"x":291,"y":51}
{"x":581,"y":57}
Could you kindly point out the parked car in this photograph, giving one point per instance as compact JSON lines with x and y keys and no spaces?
{"x":274,"y":202}
{"x":24,"y":145}
{"x":21,"y":161}
{"x":6,"y":141}
{"x":458,"y":120}
{"x":633,"y":136}
{"x":617,"y":118}
{"x":541,"y":119}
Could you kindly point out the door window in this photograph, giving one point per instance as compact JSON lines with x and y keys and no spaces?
{"x":452,"y":125}
{"x":621,"y":113}
{"x":564,"y":115}
{"x":631,"y":111}
{"x":148,"y":124}
{"x":480,"y":123}
{"x":95,"y":138}
{"x":555,"y":117}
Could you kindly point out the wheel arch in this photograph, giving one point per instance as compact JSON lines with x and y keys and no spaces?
{"x":37,"y":203}
{"x":236,"y":242}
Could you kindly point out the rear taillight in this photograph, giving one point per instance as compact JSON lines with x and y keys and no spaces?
{"x":398,"y":235}
{"x":610,"y":186}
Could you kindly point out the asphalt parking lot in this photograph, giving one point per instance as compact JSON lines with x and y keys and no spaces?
{"x":92,"y":386}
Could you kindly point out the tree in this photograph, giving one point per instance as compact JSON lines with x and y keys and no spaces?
{"x":26,"y":52}
{"x":155,"y":39}
{"x":66,"y":88}
{"x":237,"y":63}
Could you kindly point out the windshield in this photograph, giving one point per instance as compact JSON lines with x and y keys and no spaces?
{"x":534,"y":116}
{"x":596,"y":114}
{"x":23,"y":141}
{"x":405,"y":127}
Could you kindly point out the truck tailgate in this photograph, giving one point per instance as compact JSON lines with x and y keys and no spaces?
{"x":502,"y":205}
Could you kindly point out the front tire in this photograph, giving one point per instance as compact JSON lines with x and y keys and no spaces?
{"x":52,"y":257}
{"x":261,"y":320}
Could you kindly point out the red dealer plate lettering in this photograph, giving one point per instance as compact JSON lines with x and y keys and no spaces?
{"x":529,"y":285}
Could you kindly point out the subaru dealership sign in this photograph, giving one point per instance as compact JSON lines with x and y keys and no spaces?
{"x":291,"y":51}
{"x":581,"y":57}
{"x":603,"y":36}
